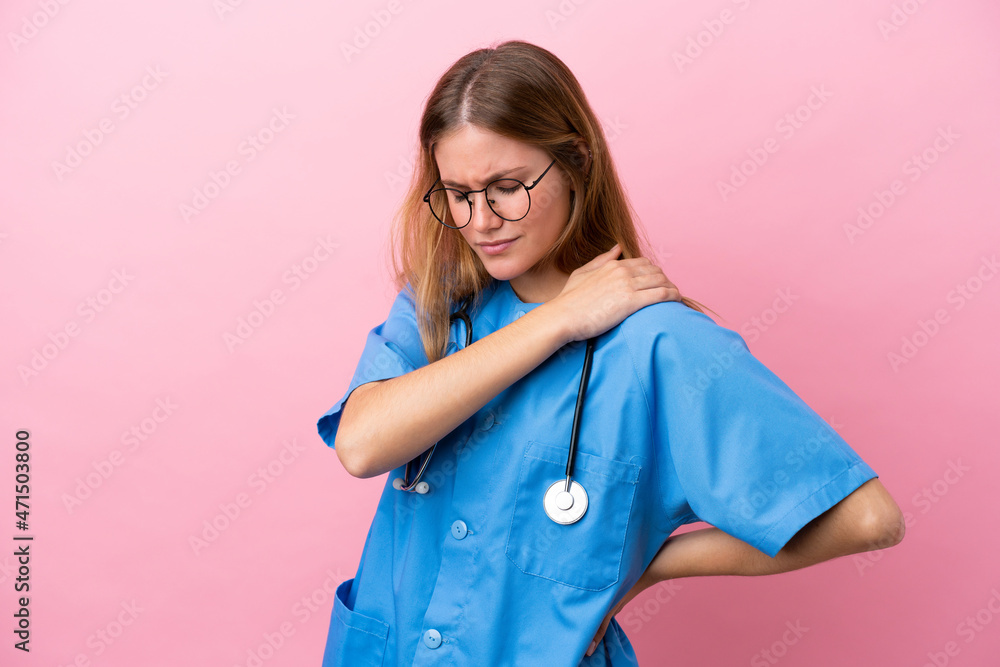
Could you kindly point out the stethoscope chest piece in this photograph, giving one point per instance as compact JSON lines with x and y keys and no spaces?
{"x":563,"y":506}
{"x":420,"y":487}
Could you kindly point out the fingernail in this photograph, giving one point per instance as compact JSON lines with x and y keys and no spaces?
{"x":590,"y":651}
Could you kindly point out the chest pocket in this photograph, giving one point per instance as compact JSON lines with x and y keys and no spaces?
{"x":586,"y":554}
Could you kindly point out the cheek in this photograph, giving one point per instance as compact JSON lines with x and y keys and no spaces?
{"x":550,"y":220}
{"x":465,"y":234}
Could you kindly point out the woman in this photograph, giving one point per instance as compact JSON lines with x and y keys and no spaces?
{"x":506,"y":554}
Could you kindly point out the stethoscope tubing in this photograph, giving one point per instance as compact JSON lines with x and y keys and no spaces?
{"x":578,"y":411}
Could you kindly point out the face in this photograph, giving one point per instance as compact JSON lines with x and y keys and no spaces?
{"x":466,"y":160}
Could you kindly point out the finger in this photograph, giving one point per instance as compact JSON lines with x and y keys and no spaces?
{"x":600,"y":260}
{"x":649,"y":280}
{"x":612,"y":253}
{"x":599,"y":635}
{"x":593,"y":644}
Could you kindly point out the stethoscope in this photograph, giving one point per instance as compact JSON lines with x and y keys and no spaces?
{"x":565,"y":500}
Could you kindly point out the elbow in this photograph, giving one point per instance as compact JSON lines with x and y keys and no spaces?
{"x":352,"y":460}
{"x":895,"y":528}
{"x":352,"y":441}
{"x":877,"y":522}
{"x":885,"y":528}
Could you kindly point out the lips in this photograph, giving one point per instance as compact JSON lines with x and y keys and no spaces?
{"x":497,"y":247}
{"x":487,"y":244}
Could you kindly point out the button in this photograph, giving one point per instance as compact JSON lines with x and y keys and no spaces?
{"x":520,"y":314}
{"x":459,"y":530}
{"x":432,"y":638}
{"x":488,"y":421}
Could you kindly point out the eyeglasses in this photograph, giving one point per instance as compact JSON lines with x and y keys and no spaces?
{"x":509,"y":198}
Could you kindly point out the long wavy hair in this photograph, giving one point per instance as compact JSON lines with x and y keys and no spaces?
{"x":523,"y":92}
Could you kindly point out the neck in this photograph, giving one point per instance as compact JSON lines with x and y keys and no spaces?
{"x":539,"y":288}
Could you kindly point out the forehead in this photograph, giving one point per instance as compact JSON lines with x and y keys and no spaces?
{"x":471,"y":155}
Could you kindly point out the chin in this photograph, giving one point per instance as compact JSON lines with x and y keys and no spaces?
{"x":501,"y":270}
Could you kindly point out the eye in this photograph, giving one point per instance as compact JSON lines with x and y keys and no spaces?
{"x":509,"y":191}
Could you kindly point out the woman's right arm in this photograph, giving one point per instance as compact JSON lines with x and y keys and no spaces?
{"x":390,"y":422}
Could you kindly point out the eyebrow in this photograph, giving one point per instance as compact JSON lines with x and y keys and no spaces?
{"x":489,"y":179}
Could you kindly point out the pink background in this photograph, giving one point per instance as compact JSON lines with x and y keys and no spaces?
{"x":317,"y":196}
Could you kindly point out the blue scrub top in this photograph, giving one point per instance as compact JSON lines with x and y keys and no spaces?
{"x":681,"y":423}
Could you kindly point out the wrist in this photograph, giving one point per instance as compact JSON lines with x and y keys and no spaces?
{"x":552,"y":324}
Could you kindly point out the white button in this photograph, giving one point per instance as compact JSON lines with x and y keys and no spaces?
{"x":459,"y":529}
{"x":432,"y":638}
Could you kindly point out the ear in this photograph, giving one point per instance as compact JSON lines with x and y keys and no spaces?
{"x":584,"y":149}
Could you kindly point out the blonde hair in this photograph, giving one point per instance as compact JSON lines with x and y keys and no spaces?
{"x":523,"y":92}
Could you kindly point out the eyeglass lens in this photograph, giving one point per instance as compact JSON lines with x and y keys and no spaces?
{"x":507,"y":197}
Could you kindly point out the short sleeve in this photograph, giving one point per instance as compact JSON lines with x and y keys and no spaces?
{"x":392,"y":348}
{"x":732,"y":440}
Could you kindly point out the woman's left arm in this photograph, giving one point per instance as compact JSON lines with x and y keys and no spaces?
{"x":866,"y":520}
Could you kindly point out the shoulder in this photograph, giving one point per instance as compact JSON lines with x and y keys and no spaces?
{"x":401,"y":322}
{"x":404,"y":302}
{"x":670,"y":328}
{"x":407,"y":294}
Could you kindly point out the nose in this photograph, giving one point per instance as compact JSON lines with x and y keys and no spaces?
{"x":483,"y":217}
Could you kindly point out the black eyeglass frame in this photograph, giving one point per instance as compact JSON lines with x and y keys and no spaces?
{"x":527,"y":189}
